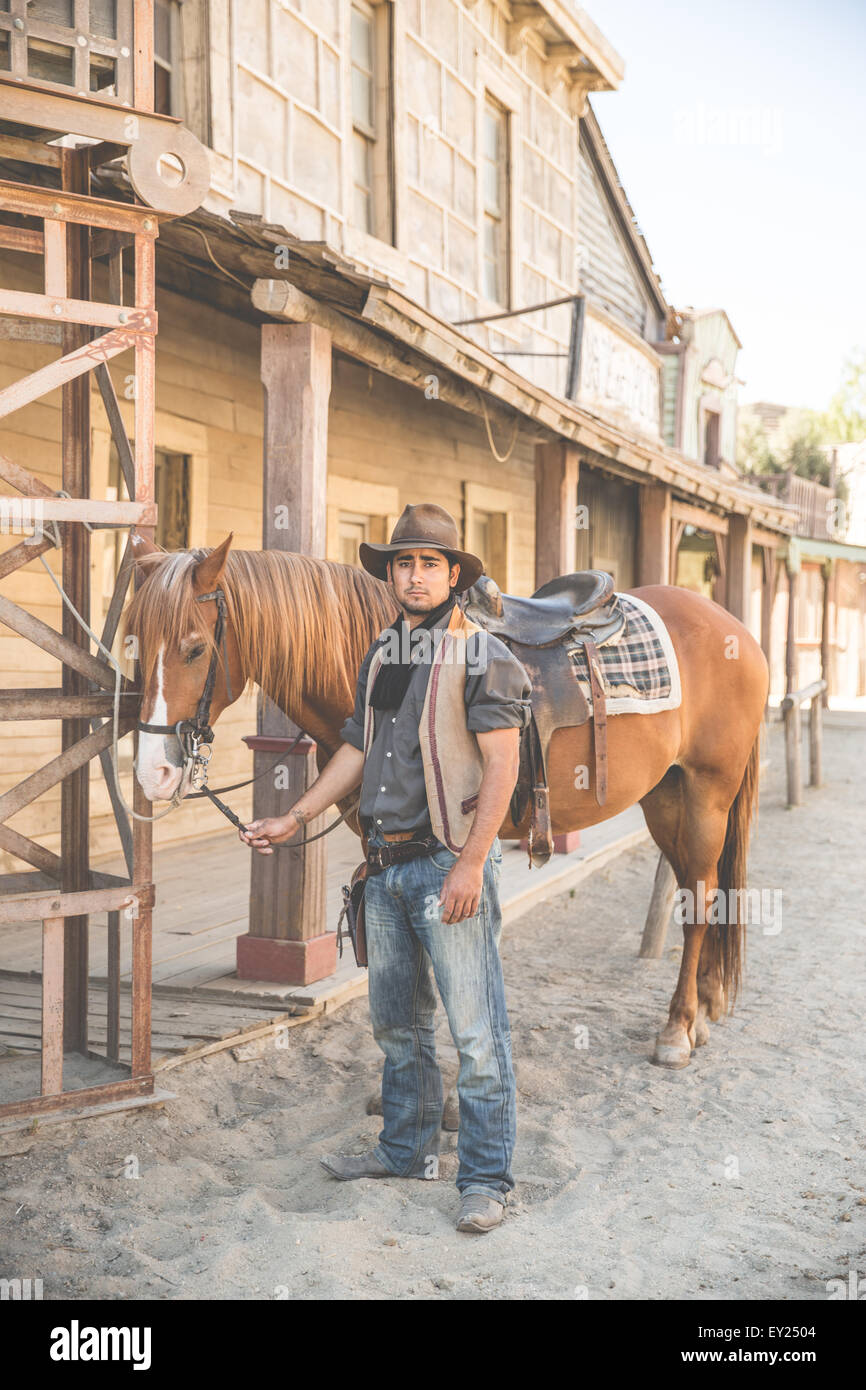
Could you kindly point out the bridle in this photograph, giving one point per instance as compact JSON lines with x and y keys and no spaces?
{"x":196,"y":735}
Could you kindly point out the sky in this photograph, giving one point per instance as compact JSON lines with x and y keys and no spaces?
{"x":738,"y":134}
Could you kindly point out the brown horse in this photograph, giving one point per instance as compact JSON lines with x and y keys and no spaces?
{"x":299,"y":628}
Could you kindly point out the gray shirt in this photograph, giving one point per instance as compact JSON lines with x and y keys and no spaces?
{"x":393,"y":793}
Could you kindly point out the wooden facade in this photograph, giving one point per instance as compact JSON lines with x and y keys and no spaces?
{"x":419,"y":403}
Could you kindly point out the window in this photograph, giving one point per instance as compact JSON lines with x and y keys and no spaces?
{"x":494,"y":175}
{"x":712,"y":439}
{"x":488,"y":529}
{"x":166,"y":58}
{"x":372,"y":200}
{"x":172,"y":495}
{"x":352,"y":529}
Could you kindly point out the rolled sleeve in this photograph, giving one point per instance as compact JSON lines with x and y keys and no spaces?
{"x":497,"y":697}
{"x":353,"y":730}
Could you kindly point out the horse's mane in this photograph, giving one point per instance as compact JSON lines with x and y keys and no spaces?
{"x":302,"y":625}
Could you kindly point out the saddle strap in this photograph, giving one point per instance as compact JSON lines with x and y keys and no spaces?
{"x":599,"y":720}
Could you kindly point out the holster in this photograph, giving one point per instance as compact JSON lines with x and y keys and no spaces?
{"x":353,"y":911}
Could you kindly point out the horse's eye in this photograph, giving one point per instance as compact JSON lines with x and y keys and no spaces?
{"x":194,"y":654}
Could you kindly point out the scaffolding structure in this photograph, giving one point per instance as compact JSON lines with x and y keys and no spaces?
{"x":90,"y":78}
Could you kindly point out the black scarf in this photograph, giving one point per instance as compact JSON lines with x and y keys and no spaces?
{"x":393,"y":678}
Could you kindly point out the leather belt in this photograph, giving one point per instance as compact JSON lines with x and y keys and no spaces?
{"x":398,"y":852}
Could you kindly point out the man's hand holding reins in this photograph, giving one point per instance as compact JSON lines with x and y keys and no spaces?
{"x":338,"y":779}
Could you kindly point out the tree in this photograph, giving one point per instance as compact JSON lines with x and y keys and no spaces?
{"x":845,"y":418}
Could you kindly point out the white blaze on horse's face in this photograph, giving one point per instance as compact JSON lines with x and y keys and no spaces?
{"x":159,"y":767}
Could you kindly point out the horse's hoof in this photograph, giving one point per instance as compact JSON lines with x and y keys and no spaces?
{"x":702,"y":1031}
{"x":672,"y":1055}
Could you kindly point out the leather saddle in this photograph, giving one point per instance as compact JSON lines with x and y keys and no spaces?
{"x":569,"y":610}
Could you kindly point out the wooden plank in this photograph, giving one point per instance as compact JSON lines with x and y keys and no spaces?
{"x":29,"y":151}
{"x":31,"y":852}
{"x":26,"y":625}
{"x":52,"y":1005}
{"x":113,"y":973}
{"x":13,"y":909}
{"x":50,"y":704}
{"x":21,"y":238}
{"x":74,"y":363}
{"x":101,"y":1095}
{"x":73,"y":757}
{"x":132,"y":323}
{"x":69,"y":206}
{"x":22,"y":554}
{"x":55,"y":258}
{"x":116,"y":425}
{"x":22,"y":479}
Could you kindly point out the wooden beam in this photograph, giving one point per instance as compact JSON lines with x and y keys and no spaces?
{"x":73,"y":757}
{"x":654,"y":535}
{"x":697,"y":516}
{"x":22,"y":239}
{"x":31,"y":852}
{"x":287,"y":892}
{"x":26,"y":625}
{"x":53,"y":704}
{"x":52,"y":1005}
{"x":74,"y":363}
{"x":23,"y":907}
{"x":283,"y":300}
{"x":557,"y":466}
{"x":739,"y":576}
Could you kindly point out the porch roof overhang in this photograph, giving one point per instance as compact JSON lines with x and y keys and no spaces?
{"x":803,"y":548}
{"x":377,"y":324}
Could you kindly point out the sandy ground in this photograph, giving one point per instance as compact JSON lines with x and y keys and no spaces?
{"x":741,"y":1176}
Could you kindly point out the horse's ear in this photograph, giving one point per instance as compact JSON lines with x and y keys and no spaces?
{"x":141,"y":546}
{"x":209,"y":571}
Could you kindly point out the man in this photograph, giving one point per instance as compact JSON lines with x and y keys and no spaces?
{"x":433,"y":742}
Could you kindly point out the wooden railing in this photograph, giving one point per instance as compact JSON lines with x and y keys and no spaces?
{"x":790,"y":714}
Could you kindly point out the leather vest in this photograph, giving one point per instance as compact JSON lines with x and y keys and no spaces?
{"x":452,"y":761}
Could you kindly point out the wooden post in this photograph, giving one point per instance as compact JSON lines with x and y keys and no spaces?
{"x":75,"y":790}
{"x":286,"y":942}
{"x":792,"y":754}
{"x":557,"y":466}
{"x":815,"y":740}
{"x":659,"y":912}
{"x":770,"y":574}
{"x":826,"y":575}
{"x":739,"y":566}
{"x":791,"y":640}
{"x":654,"y":559}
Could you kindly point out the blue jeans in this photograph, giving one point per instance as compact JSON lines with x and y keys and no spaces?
{"x":405,"y":937}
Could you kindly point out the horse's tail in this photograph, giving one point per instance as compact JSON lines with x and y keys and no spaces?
{"x":726,"y":941}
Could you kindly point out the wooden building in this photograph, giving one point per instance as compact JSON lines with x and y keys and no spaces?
{"x":394,"y":187}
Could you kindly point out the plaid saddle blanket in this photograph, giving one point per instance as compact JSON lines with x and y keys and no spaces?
{"x":639,"y":667}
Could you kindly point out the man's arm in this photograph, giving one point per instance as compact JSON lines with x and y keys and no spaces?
{"x":340,"y":777}
{"x":500,"y":753}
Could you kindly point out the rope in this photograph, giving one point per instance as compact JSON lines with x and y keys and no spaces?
{"x":500,"y":458}
{"x":118,"y":677}
{"x":243,"y":284}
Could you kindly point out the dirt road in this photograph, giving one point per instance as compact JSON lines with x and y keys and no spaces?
{"x":741,"y":1176}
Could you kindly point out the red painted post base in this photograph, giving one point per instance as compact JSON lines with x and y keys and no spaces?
{"x":562,"y":844}
{"x":287,"y":962}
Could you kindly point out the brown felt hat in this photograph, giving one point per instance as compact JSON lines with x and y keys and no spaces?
{"x":422,"y":524}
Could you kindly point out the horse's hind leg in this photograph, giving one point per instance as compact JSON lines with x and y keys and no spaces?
{"x":687,"y":815}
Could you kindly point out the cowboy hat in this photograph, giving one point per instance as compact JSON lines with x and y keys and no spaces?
{"x":422,"y":524}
